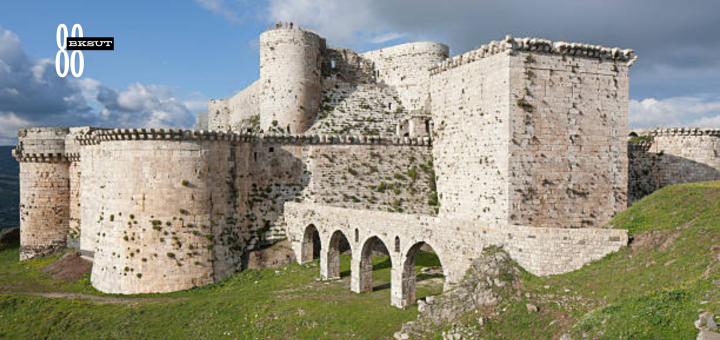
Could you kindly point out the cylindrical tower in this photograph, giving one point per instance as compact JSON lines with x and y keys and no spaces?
{"x":44,"y":191}
{"x":162,"y":203}
{"x":290,"y":76}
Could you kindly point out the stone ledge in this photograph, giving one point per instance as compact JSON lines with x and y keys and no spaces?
{"x":100,"y":136}
{"x":683,"y":131}
{"x":39,"y":157}
{"x":537,"y":45}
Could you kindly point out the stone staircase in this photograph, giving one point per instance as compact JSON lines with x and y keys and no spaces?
{"x":359,"y":109}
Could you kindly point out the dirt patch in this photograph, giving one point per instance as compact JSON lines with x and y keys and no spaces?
{"x":94,"y":298}
{"x":275,"y":256}
{"x":653,"y":240}
{"x":70,"y":267}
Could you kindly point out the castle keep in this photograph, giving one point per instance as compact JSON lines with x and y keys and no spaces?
{"x":521,"y":143}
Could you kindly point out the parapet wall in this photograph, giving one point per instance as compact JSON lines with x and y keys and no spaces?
{"x":672,"y":156}
{"x":406,"y":67}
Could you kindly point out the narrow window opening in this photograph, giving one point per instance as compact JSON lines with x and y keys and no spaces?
{"x":397,"y":244}
{"x":357,"y":235}
{"x":272,"y":149}
{"x":255,"y":156}
{"x":332,"y":63}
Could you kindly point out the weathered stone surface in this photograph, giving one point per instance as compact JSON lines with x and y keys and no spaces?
{"x":672,"y":156}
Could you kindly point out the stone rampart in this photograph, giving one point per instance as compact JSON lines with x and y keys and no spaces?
{"x":672,"y":156}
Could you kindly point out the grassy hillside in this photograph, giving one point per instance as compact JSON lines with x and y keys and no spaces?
{"x":9,"y":189}
{"x":653,"y":289}
{"x":289,"y":303}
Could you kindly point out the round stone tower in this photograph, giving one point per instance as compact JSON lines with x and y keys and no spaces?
{"x":290,"y":77}
{"x":44,"y":191}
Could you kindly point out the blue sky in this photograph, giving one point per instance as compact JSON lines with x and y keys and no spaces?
{"x":171,"y":56}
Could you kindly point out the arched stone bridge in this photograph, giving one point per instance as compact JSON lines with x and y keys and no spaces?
{"x":541,"y":251}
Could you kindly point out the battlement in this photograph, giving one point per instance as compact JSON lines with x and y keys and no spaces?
{"x":537,"y":45}
{"x":682,"y":131}
{"x":98,"y":136}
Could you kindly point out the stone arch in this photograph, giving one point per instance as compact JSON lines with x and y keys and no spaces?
{"x":409,"y":276}
{"x":310,"y":248}
{"x":337,"y":244}
{"x":364,"y":275}
{"x":632,"y":134}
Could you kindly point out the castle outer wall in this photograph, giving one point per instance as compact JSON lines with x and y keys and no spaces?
{"x":672,"y":156}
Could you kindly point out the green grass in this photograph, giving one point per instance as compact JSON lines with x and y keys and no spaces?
{"x":291,"y":304}
{"x":652,"y":289}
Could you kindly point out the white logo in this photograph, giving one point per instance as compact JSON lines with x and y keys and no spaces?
{"x":69,"y":62}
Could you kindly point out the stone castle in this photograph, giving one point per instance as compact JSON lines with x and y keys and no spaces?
{"x":521,"y":143}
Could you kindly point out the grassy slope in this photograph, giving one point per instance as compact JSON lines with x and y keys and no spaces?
{"x":650,"y":290}
{"x":253,"y":304}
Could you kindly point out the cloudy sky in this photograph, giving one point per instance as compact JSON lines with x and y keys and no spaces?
{"x":171,"y":56}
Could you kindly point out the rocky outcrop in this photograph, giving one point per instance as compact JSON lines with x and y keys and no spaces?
{"x":489,"y":275}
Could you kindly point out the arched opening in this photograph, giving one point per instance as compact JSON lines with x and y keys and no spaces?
{"x":374,"y":256}
{"x":632,"y":134}
{"x":422,"y":274}
{"x":310,"y":244}
{"x":338,"y":245}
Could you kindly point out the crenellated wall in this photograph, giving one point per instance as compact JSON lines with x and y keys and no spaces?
{"x":672,"y":156}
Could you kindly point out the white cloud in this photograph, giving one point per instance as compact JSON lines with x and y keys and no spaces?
{"x":32,"y":94}
{"x":9,"y":124}
{"x":675,"y":112}
{"x":383,"y":38}
{"x":347,"y":23}
{"x":143,"y":105}
{"x":218,"y":7}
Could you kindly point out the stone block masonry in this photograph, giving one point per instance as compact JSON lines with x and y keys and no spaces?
{"x":672,"y":156}
{"x":541,"y":251}
{"x":44,"y":191}
{"x":530,"y":132}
